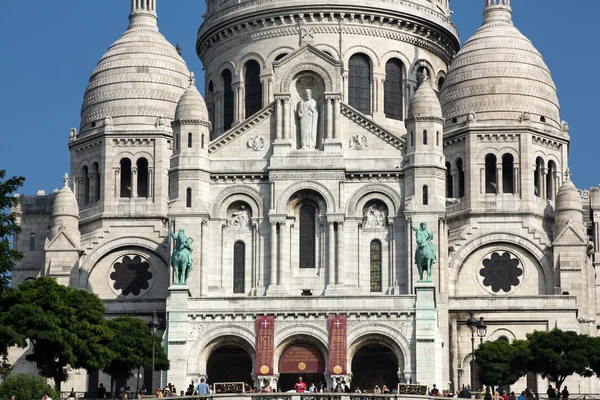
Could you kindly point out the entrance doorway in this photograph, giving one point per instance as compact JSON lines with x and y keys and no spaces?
{"x":229,"y":364}
{"x":372,"y":365}
{"x":301,"y":359}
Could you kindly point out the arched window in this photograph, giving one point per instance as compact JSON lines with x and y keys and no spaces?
{"x":86,"y":186}
{"x":550,"y":189}
{"x":202,"y":144}
{"x":142,"y":177}
{"x":412,"y":139}
{"x":211,"y":107}
{"x":176,"y":140}
{"x":32,"y":242}
{"x":461,"y":178}
{"x":239,"y":266}
{"x":537,"y":176}
{"x":425,"y":137}
{"x":392,"y":89}
{"x":376,"y":266}
{"x":437,"y":138}
{"x":188,"y":197}
{"x":125,"y":178}
{"x":252,"y":88}
{"x":425,"y":195}
{"x":441,"y":83}
{"x":307,"y":236}
{"x":190,"y":140}
{"x":97,"y":182}
{"x":491,"y":175}
{"x":508,"y":173}
{"x":359,"y":83}
{"x":227,"y":100}
{"x":449,"y":182}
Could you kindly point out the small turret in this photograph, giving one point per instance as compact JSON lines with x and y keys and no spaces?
{"x":568,"y":208}
{"x":65,"y":212}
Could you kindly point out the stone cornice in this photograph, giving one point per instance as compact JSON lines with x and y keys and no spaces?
{"x":382,"y":133}
{"x":405,"y":28}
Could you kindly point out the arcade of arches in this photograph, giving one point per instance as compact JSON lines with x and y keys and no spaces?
{"x":372,"y":364}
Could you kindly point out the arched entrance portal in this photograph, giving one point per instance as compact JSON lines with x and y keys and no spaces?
{"x":374,"y":364}
{"x":301,"y":359}
{"x":229,"y":363}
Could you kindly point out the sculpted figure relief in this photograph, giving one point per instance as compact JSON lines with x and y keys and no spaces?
{"x":241,"y":218}
{"x":425,"y":256}
{"x":181,"y":259}
{"x":309,"y":117}
{"x":375,"y":216}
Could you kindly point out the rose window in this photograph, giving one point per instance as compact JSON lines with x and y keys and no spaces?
{"x":501,"y":272}
{"x":131,"y":275}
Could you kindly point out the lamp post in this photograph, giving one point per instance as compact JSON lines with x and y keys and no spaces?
{"x":153,"y":327}
{"x":480,"y":328}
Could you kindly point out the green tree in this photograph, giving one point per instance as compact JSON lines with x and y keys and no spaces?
{"x":594,"y":358}
{"x":131,"y":343}
{"x":558,"y":354}
{"x":8,"y":227}
{"x":501,"y":362}
{"x":66,"y":327}
{"x":25,"y":387}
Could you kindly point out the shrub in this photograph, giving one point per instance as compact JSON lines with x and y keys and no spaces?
{"x":26,"y":387}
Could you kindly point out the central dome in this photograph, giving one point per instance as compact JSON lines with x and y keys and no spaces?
{"x":139,"y":79}
{"x":499,"y":75}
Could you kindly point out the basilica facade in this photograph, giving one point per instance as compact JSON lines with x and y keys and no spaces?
{"x":327,"y":134}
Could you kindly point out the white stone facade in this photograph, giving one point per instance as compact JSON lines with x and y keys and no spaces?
{"x":303,"y":234}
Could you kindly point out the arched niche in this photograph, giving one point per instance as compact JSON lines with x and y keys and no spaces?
{"x":301,"y":82}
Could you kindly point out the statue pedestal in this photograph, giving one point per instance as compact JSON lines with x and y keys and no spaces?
{"x":428,"y":337}
{"x":177,"y":333}
{"x":332,"y":146}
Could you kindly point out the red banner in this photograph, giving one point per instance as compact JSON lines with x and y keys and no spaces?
{"x":337,"y":344}
{"x":301,"y":357}
{"x":265,"y":332}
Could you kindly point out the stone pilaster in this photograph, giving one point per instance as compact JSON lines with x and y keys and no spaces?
{"x":428,"y":338}
{"x":177,"y":334}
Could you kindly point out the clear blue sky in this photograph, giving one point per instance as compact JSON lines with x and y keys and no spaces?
{"x":50,"y":48}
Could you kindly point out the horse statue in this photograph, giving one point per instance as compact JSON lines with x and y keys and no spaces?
{"x":181,"y":259}
{"x":425,"y":256}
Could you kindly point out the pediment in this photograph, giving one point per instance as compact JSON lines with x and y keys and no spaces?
{"x":61,"y":242}
{"x":569,"y":236}
{"x":306,"y":52}
{"x":369,"y":129}
{"x":310,"y":60}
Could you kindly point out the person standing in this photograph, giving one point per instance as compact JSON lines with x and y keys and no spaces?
{"x":565,"y":393}
{"x":300,"y":387}
{"x":101,"y":391}
{"x":202,"y":388}
{"x":550,"y":392}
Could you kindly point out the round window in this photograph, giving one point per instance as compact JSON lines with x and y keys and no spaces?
{"x":501,"y":272}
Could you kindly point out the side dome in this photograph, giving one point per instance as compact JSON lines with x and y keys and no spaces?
{"x":139,"y":79}
{"x":567,"y":197}
{"x":65,"y":203}
{"x":499,"y":75}
{"x":191,"y":106}
{"x":425,"y":102}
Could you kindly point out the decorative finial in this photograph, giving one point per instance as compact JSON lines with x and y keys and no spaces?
{"x":568,"y":174}
{"x":424,"y":76}
{"x":178,"y":48}
{"x":192,"y":78}
{"x":66,"y":180}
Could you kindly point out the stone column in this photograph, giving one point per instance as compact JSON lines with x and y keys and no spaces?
{"x":482,"y":180}
{"x":203,"y":256}
{"x":340,"y":273}
{"x":455,"y":184}
{"x":499,"y":182}
{"x":278,"y":117}
{"x":283,"y":267}
{"x":133,"y":182}
{"x":117,"y":183}
{"x":93,"y":195}
{"x":336,"y":117}
{"x":151,"y":183}
{"x":274,"y":278}
{"x":328,"y":118}
{"x":331,"y":258}
{"x":238,"y":102}
{"x":516,"y":185}
{"x":543,"y":182}
{"x":286,"y":118}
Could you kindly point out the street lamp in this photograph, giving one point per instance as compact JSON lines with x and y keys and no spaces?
{"x":480,"y":328}
{"x":153,"y":327}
